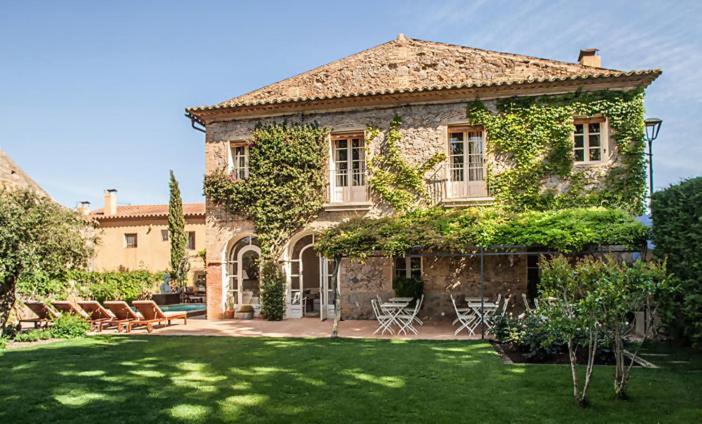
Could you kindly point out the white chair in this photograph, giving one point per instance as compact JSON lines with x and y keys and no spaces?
{"x":499,"y":311}
{"x":385,"y":320}
{"x":406,"y":319}
{"x":466,"y":318}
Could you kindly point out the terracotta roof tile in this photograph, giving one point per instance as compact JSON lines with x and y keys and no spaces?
{"x":146,"y":211}
{"x":406,"y":65}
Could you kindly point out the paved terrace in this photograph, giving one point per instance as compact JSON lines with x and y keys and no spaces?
{"x":303,"y":327}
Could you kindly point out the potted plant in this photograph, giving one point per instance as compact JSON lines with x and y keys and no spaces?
{"x":230,"y":307}
{"x":245,"y":312}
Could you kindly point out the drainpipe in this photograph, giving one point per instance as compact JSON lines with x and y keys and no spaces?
{"x":193,"y":121}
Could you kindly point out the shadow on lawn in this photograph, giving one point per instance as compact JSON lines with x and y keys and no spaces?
{"x":214,"y":379}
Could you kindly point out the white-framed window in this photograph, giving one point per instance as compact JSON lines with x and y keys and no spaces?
{"x":408,"y":267}
{"x":239,"y":160}
{"x":191,"y":240}
{"x":348,"y":168}
{"x":466,"y":162}
{"x":589,"y":140}
{"x":164,"y":235}
{"x":130,"y":240}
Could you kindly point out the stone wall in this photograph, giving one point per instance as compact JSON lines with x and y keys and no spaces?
{"x":442,"y":276}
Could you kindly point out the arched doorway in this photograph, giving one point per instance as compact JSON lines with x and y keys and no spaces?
{"x":310,"y":288}
{"x":243,"y":273}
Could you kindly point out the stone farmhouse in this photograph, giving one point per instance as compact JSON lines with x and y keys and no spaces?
{"x":135,"y":237}
{"x":429,"y":85}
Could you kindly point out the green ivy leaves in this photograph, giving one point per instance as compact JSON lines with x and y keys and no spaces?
{"x":533,"y":137}
{"x":392,"y":178}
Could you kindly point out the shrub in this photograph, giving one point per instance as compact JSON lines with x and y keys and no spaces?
{"x":69,"y":326}
{"x":531,"y":336}
{"x":116,"y":285}
{"x":34,"y":335}
{"x":677,"y":233}
{"x":3,"y":342}
{"x":408,"y":287}
{"x":246,"y":308}
{"x":272,"y":293}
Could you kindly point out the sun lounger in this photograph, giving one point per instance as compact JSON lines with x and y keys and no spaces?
{"x":98,"y":314}
{"x":44,"y":314}
{"x":124,"y":314}
{"x":66,"y":307}
{"x":154,"y":315}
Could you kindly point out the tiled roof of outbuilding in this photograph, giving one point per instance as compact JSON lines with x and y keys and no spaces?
{"x":149,"y":211}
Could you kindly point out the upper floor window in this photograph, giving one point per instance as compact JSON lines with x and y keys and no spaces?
{"x":130,"y":240}
{"x":408,"y":267}
{"x":239,"y":160}
{"x":191,"y":240}
{"x":164,"y":235}
{"x":589,"y":138}
{"x":348,"y":168}
{"x":466,"y":170}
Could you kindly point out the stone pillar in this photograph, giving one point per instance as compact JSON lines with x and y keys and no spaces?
{"x":214,"y":291}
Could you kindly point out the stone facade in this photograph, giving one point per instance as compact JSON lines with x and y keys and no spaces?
{"x":424,"y":130}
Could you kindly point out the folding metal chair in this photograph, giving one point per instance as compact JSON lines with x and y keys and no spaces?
{"x":385,"y":320}
{"x":406,"y":319}
{"x":467,"y":318}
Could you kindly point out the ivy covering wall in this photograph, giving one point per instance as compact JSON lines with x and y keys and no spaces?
{"x":283,"y":192}
{"x":531,"y":137}
{"x":394,"y":180}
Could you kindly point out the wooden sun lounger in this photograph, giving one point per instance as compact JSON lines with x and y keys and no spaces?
{"x":98,"y":314}
{"x":66,"y":307}
{"x":44,"y":314}
{"x":124,"y":315}
{"x":154,"y":315}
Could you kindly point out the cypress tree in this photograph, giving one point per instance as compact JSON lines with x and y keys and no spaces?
{"x":176,"y":235}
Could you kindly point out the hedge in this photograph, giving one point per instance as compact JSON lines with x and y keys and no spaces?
{"x":677,"y":234}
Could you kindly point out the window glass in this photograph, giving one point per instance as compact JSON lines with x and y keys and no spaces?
{"x":130,"y":240}
{"x":240,"y":161}
{"x":587,"y":142}
{"x":191,"y":240}
{"x":164,"y":235}
{"x":400,"y":267}
{"x":466,"y":155}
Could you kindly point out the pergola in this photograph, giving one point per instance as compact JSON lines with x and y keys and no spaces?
{"x":479,"y":252}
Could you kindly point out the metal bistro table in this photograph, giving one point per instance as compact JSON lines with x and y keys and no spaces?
{"x":394,"y":308}
{"x":483,"y":310}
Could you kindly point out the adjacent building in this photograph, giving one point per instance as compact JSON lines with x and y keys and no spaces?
{"x":135,"y":237}
{"x":429,"y":85}
{"x":12,"y":176}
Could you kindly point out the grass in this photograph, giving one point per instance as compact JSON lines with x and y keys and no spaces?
{"x":142,"y":379}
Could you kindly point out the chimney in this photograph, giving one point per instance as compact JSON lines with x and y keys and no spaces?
{"x":589,"y":57}
{"x":110,"y":202}
{"x":84,"y":207}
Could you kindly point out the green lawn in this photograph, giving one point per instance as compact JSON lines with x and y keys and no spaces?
{"x":215,"y":379}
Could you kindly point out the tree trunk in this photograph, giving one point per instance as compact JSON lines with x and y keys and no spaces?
{"x":621,"y":372}
{"x":573,"y":370}
{"x":7,"y":301}
{"x":591,"y":352}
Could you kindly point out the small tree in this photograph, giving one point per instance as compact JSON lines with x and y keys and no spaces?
{"x":39,"y":240}
{"x":623,"y":289}
{"x":570,"y":314}
{"x":176,"y":234}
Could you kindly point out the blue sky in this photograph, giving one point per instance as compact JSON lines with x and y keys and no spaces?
{"x":92,"y":92}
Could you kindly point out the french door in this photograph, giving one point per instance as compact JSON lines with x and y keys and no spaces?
{"x":466,"y":163}
{"x":348,"y":169}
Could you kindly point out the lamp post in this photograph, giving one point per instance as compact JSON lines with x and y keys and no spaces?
{"x":653,"y":127}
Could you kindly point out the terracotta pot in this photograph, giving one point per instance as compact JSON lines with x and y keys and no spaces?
{"x":229,"y":313}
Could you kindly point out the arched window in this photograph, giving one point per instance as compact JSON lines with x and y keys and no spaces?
{"x":244,"y":271}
